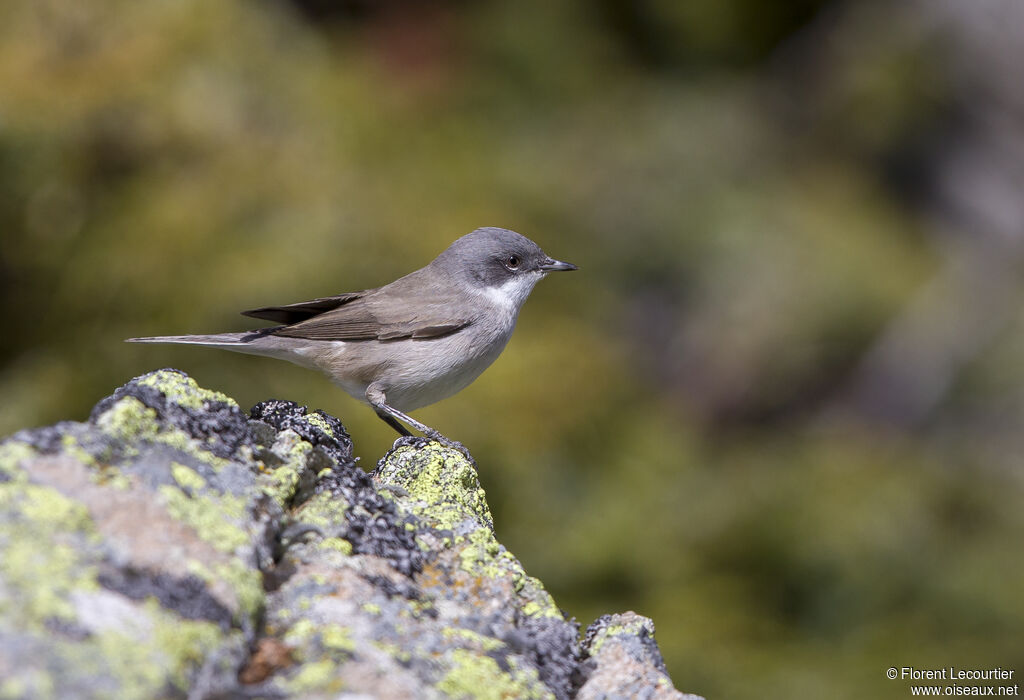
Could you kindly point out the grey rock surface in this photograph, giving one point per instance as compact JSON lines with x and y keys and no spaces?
{"x":172,"y":546}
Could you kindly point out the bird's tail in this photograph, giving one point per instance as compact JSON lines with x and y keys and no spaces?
{"x":217,"y":340}
{"x":259,"y":342}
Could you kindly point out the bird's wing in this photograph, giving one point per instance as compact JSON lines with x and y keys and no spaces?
{"x":372,"y":316}
{"x":294,"y":313}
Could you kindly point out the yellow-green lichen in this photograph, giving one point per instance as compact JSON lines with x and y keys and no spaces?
{"x":41,"y":504}
{"x":111,"y":477}
{"x":394,"y":651}
{"x":318,"y":420}
{"x":443,"y":487}
{"x":482,"y":545}
{"x":246,"y":582}
{"x":130,"y":421}
{"x":371,"y":608}
{"x":71,"y":448}
{"x":337,"y":637}
{"x":319,"y":675}
{"x":29,"y":683}
{"x":299,"y":634}
{"x":171,"y":651}
{"x":418,"y":609}
{"x":322,"y":510}
{"x":42,"y":562}
{"x":478,"y":640}
{"x":215,"y":518}
{"x":187,"y":477}
{"x":534,"y":609}
{"x":13,"y":454}
{"x":303,"y":635}
{"x":634,"y":627}
{"x":290,"y":447}
{"x":479,"y":677}
{"x":183,"y":390}
{"x":42,"y":577}
{"x":539,"y":602}
{"x":482,"y":555}
{"x":281,"y":483}
{"x":337,"y":544}
{"x":181,"y":441}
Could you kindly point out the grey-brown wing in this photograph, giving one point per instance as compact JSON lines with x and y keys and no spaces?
{"x":370,"y":319}
{"x":294,"y":313}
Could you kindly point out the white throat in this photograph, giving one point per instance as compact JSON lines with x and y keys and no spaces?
{"x":511,"y":295}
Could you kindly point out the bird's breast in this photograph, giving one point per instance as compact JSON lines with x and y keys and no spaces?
{"x":423,"y":372}
{"x":419,"y":372}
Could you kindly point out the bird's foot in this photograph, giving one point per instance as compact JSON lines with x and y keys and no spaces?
{"x":415,"y":441}
{"x":454,"y":444}
{"x":434,"y":436}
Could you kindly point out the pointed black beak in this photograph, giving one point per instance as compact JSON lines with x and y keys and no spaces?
{"x":550,"y":265}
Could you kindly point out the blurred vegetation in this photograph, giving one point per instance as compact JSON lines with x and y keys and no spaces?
{"x":779,"y":409}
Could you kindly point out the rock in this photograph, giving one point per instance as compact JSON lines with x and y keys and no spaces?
{"x":172,"y":546}
{"x":626,"y":661}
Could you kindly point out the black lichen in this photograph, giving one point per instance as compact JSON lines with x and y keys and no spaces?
{"x":288,"y":415}
{"x":372,"y":523}
{"x":188,"y":596}
{"x":552,"y":645}
{"x":220,"y":424}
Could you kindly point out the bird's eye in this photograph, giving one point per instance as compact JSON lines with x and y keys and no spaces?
{"x":512,"y":262}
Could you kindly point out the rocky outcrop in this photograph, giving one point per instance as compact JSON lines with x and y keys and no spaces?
{"x":171,"y":546}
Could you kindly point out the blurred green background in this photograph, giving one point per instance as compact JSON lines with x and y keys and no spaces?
{"x":779,"y":409}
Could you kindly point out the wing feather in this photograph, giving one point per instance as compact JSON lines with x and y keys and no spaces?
{"x":294,"y":313}
{"x":365,"y":318}
{"x":393,"y":312}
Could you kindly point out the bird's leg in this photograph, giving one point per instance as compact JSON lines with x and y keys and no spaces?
{"x":393,"y":417}
{"x":390,"y":420}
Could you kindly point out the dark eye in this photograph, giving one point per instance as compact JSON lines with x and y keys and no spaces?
{"x":512,"y":262}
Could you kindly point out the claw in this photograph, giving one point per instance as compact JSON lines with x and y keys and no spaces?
{"x":418,"y":442}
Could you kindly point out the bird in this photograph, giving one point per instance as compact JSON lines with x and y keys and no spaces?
{"x":413,"y":342}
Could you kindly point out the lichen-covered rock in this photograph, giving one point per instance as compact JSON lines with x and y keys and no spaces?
{"x":171,"y":546}
{"x":626,"y":661}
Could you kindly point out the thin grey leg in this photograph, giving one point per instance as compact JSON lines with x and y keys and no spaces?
{"x":393,"y":417}
{"x":387,"y":418}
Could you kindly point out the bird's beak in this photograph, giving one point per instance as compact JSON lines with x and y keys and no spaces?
{"x":550,"y":265}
